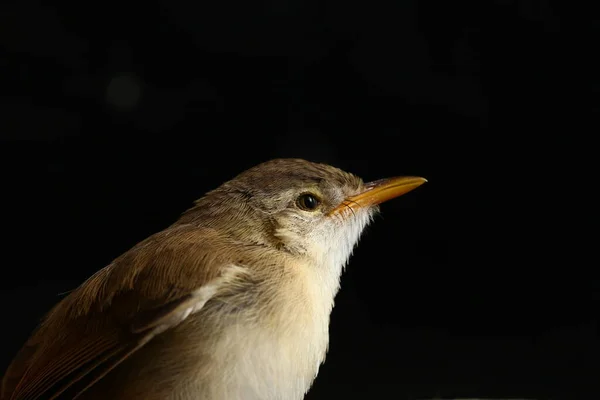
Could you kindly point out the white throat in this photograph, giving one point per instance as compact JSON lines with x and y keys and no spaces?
{"x":333,"y":244}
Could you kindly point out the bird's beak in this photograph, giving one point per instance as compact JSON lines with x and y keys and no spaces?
{"x":380,"y":191}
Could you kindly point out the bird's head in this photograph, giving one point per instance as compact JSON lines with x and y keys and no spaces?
{"x":308,"y":209}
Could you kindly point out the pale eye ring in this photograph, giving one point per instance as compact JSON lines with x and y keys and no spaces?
{"x":308,"y":202}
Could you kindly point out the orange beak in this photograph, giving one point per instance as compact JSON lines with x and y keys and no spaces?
{"x":380,"y":191}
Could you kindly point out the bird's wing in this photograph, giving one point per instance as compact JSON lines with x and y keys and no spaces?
{"x":151,"y":288}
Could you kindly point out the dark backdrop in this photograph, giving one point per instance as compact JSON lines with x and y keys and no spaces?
{"x":117,"y":115}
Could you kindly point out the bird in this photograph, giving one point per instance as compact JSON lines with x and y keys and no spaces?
{"x":230,"y":302}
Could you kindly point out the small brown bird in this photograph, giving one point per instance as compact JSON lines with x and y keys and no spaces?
{"x":231,"y":302}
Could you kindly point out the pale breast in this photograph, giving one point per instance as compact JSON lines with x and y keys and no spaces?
{"x":272,"y":357}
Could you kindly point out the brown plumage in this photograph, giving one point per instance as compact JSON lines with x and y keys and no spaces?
{"x":230,"y":302}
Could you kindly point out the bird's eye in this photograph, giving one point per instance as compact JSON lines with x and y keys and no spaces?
{"x":308,"y":202}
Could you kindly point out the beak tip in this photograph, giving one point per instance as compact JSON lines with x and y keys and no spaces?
{"x":418,"y":181}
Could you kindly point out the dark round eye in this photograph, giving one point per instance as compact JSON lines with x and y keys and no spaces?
{"x":308,"y":202}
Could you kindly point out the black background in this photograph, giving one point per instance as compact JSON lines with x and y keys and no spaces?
{"x":117,"y":115}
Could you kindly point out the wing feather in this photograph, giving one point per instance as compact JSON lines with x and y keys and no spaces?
{"x":115,"y":313}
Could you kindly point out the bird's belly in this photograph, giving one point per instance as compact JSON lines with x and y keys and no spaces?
{"x":249,"y":363}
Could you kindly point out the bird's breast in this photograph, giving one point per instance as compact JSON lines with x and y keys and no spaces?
{"x":274,"y":354}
